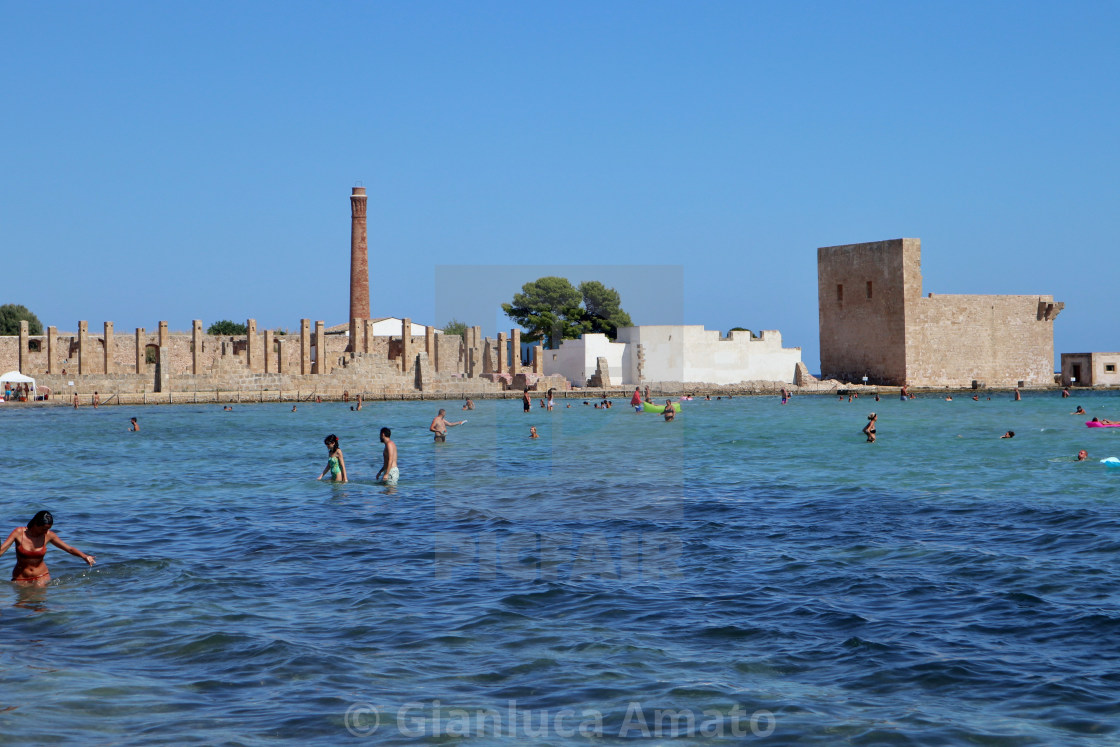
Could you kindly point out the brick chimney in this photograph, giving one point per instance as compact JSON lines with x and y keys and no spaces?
{"x":359,"y":263}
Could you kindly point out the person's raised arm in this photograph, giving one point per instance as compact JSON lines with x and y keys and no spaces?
{"x":8,"y":542}
{"x":54,"y":540}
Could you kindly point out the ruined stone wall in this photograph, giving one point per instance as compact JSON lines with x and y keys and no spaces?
{"x":861,"y":295}
{"x":996,"y":340}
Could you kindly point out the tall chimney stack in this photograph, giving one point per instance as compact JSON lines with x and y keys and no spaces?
{"x":359,"y":264}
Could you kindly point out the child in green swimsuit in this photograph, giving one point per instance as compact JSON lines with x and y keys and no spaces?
{"x":336,"y":464}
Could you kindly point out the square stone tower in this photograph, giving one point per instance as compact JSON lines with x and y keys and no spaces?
{"x":874,"y":322}
{"x":861,"y":294}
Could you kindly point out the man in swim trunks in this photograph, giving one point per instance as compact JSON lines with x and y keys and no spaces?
{"x":636,"y":400}
{"x":525,"y":401}
{"x":440,"y":425}
{"x":388,"y":473}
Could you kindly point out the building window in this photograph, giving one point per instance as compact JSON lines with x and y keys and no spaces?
{"x":34,"y":346}
{"x":1110,"y":368}
{"x":869,"y":289}
{"x":839,"y":293}
{"x":151,"y":354}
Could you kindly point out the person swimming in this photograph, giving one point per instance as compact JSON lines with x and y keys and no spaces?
{"x":1008,"y":434}
{"x":31,"y":549}
{"x":133,"y":425}
{"x":1082,"y":455}
{"x":1079,"y":411}
{"x":533,"y":432}
{"x":336,"y":464}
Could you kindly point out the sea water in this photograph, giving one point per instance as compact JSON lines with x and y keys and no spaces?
{"x":750,"y":573}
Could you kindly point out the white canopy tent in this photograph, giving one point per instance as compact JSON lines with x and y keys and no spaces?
{"x":15,"y":377}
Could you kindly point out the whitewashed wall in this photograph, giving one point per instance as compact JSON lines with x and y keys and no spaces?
{"x":690,"y":353}
{"x":575,"y":359}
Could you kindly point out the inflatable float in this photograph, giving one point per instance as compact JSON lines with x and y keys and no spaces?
{"x":1096,"y":424}
{"x":647,"y":407}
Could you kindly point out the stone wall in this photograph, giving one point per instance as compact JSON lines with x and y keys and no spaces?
{"x":997,"y":341}
{"x":263,"y":360}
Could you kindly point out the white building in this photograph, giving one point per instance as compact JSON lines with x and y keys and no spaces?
{"x":676,"y":353}
{"x":576,"y":359}
{"x":386,"y":326}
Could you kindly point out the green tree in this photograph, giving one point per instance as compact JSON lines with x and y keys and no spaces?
{"x":602,"y":308}
{"x":11,"y":314}
{"x":226,"y":327}
{"x":549,"y":309}
{"x":455,"y":327}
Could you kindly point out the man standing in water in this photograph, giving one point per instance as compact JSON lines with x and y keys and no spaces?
{"x":440,"y":425}
{"x":389,"y":474}
{"x":636,"y":400}
{"x":527,"y":404}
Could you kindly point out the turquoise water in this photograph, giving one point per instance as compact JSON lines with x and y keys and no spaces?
{"x":748,"y":561}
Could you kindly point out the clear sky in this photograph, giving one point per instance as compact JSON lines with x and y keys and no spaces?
{"x":194,"y":160}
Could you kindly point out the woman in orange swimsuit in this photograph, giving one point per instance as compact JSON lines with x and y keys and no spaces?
{"x":31,"y":548}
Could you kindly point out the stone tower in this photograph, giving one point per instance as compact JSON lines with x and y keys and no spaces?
{"x":875,"y":322}
{"x":359,"y":263}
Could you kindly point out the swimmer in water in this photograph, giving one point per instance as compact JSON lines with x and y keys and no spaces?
{"x":669,"y":413}
{"x":389,"y":474}
{"x":133,"y":425}
{"x":293,"y":408}
{"x":1082,"y":455}
{"x":469,"y":404}
{"x":440,"y":425}
{"x":533,"y":432}
{"x":336,"y":465}
{"x":869,"y":429}
{"x":1079,"y":411}
{"x":31,"y":547}
{"x":1009,"y":434}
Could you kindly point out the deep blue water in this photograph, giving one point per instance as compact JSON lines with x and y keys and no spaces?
{"x":942,"y":586}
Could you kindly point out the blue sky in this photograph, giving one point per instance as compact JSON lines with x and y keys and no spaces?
{"x":194,"y":160}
